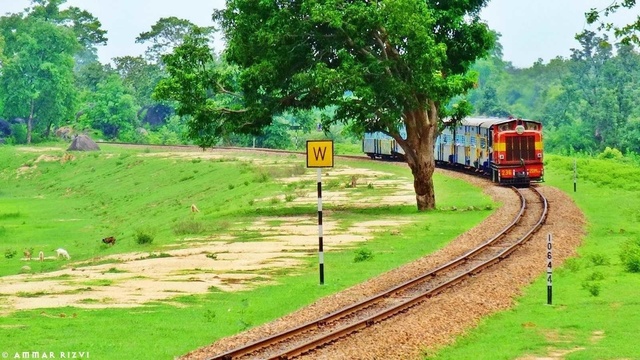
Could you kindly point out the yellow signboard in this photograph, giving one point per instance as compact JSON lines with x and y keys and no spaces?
{"x":319,"y":153}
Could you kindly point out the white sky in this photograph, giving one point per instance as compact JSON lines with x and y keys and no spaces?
{"x":531,"y":30}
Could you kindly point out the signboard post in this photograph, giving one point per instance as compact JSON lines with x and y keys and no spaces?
{"x":320,"y":155}
{"x":549,"y":271}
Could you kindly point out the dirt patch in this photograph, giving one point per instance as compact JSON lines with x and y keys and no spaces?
{"x":133,"y":279}
{"x":30,"y":167}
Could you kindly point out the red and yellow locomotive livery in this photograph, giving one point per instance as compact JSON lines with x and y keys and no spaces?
{"x":508,"y":149}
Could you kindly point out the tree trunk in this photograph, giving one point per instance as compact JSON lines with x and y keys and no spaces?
{"x":421,"y":128}
{"x":47,"y":131}
{"x":30,"y":122}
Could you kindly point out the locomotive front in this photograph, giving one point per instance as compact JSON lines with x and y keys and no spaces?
{"x":517,"y":152}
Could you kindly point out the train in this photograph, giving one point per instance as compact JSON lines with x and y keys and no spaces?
{"x":508,"y":150}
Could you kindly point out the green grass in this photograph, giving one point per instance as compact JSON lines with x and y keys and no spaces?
{"x":595,"y":310}
{"x":121,"y":192}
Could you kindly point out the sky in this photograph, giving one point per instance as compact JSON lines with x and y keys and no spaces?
{"x":530,"y":30}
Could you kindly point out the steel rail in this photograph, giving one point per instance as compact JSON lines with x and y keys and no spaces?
{"x":344,"y":312}
{"x":405,"y":305}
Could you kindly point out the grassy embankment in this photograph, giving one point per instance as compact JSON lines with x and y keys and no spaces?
{"x":596,"y":311}
{"x":134,"y":194}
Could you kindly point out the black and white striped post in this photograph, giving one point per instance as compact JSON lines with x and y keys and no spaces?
{"x":549,"y":270}
{"x":320,"y":155}
{"x":320,"y":233}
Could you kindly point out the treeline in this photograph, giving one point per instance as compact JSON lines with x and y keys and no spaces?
{"x":587,"y":103}
{"x":53,"y":85}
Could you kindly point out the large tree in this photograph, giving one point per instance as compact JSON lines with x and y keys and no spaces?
{"x":383,"y":64}
{"x":37,"y":77}
{"x":203,"y":88}
{"x":112,"y":109}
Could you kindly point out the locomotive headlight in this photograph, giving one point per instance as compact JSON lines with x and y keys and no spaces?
{"x":520,"y":129}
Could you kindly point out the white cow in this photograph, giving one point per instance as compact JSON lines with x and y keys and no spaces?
{"x":63,"y":253}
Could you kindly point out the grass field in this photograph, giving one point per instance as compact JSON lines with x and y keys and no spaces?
{"x":50,"y":200}
{"x":596,"y":310}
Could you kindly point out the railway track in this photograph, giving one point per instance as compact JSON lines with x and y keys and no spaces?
{"x":349,"y":320}
{"x":233,"y":148}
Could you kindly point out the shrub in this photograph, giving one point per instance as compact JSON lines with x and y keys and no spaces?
{"x":592,"y":287}
{"x":596,"y":275}
{"x":188,"y":227}
{"x":573,"y":264}
{"x":143,"y":237}
{"x":630,"y":255}
{"x":363,"y":255}
{"x":10,"y":253}
{"x":209,"y":315}
{"x":262,"y":177}
{"x":158,"y":255}
{"x":598,"y":259}
{"x":611,"y":153}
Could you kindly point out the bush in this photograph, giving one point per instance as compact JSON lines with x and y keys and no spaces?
{"x":592,"y":287}
{"x":573,"y":264}
{"x":144,"y":238}
{"x":598,"y":259}
{"x":363,"y":255}
{"x":10,"y":253}
{"x":630,"y":255}
{"x":610,"y":153}
{"x":188,"y":227}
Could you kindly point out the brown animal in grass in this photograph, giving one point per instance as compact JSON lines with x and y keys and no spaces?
{"x":27,"y":254}
{"x":194,"y":208}
{"x":109,"y":240}
{"x":41,"y":255}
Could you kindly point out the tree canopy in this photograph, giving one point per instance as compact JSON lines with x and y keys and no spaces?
{"x":384,"y":65}
{"x":627,"y":33}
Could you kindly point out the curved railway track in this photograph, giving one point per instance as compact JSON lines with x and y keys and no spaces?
{"x":347,"y":321}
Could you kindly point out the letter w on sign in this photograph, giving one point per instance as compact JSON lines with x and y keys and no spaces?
{"x":319,"y":153}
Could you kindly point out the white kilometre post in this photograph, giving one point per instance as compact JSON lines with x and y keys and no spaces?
{"x":549,"y":270}
{"x":319,"y":155}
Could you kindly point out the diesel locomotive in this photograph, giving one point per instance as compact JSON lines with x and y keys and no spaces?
{"x":508,"y":150}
